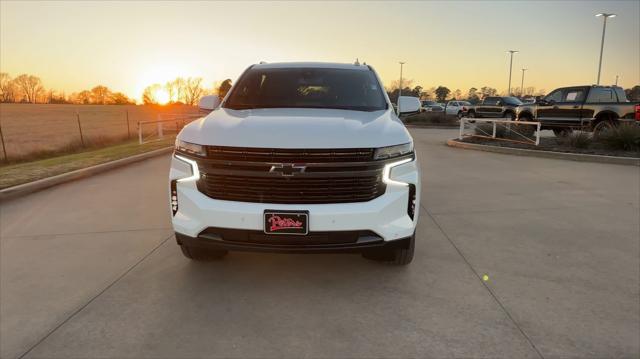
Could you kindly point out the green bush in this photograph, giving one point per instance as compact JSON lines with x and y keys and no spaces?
{"x":625,"y":137}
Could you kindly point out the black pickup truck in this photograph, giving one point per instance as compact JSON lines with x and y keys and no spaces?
{"x":495,"y":107}
{"x":591,"y":108}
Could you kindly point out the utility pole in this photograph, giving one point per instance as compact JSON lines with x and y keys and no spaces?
{"x":510,"y":68}
{"x":522,"y":83}
{"x":617,"y":80}
{"x":400,"y":86}
{"x":605,"y":16}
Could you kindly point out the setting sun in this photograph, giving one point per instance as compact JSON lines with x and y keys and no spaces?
{"x":161,"y":96}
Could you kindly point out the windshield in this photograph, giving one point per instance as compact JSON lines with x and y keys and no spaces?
{"x":512,"y":101}
{"x":307,"y":88}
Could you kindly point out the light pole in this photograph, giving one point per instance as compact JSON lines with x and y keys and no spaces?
{"x":617,"y":80}
{"x":522,"y":83}
{"x":400,"y":86}
{"x":605,"y":16}
{"x":510,"y":68}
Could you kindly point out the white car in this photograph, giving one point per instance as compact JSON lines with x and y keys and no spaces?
{"x":298,"y":157}
{"x":457,"y":108}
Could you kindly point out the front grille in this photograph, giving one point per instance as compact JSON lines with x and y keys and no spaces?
{"x":329,"y":176}
{"x":289,"y":155}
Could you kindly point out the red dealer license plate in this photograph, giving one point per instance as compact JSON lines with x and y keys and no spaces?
{"x":286,"y":222}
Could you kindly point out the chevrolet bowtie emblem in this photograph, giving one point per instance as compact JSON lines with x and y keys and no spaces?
{"x":287,"y":169}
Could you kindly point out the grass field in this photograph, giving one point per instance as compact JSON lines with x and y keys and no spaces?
{"x":31,"y":130}
{"x":15,"y":174}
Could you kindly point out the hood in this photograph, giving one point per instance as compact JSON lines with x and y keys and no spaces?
{"x":297,"y":128}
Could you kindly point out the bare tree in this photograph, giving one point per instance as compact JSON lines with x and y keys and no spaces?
{"x":149,"y":94}
{"x":30,"y":86}
{"x":84,"y":97}
{"x":193,"y":90}
{"x":100,"y":95}
{"x":7,"y":88}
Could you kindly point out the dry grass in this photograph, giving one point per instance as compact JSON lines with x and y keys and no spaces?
{"x":18,"y":173}
{"x":37,"y":131}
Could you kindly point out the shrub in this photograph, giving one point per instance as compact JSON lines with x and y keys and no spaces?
{"x":576,"y":139}
{"x":624,"y":137}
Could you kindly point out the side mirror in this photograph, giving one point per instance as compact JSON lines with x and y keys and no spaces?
{"x":409,"y":104}
{"x":209,"y":103}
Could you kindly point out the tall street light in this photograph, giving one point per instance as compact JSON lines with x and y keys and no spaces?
{"x":400,"y":85}
{"x":510,"y":68}
{"x":522,"y":83}
{"x":605,"y":16}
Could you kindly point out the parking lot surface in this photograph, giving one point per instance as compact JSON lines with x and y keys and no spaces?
{"x":516,"y":257}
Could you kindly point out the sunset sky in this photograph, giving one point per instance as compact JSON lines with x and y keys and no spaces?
{"x":128,"y":45}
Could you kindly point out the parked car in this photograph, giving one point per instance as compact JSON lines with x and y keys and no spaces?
{"x":435,"y":108}
{"x":428,"y":103}
{"x":457,"y":108}
{"x":298,"y":157}
{"x":593,"y":108}
{"x":495,"y":107}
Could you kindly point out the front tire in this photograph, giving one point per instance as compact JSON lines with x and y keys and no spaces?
{"x":602,"y":127}
{"x":396,"y":256}
{"x":202,"y":254}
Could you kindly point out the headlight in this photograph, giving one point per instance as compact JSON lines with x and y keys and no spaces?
{"x":393,"y":151}
{"x":190,"y":148}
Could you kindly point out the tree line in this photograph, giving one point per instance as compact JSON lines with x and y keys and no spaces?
{"x":182,"y":91}
{"x":443,"y":93}
{"x":27,"y":88}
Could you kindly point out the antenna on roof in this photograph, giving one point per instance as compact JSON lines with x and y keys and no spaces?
{"x":357,"y":63}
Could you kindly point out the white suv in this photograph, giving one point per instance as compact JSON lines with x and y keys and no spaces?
{"x":298,"y":157}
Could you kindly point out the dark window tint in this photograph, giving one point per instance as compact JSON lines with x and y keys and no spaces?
{"x":491,"y":101}
{"x":555,"y":96}
{"x":307,"y":88}
{"x":622,"y":97}
{"x":512,"y":101}
{"x":601,"y":94}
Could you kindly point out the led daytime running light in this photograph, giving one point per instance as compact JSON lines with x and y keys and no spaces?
{"x":386,"y":172}
{"x":195,"y":172}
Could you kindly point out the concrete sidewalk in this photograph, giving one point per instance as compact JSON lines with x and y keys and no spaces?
{"x":91,"y":269}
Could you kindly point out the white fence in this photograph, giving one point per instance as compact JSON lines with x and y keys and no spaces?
{"x":517,"y":130}
{"x":166,"y":124}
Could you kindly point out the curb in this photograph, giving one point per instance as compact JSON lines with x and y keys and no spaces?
{"x":628,"y":161}
{"x":30,"y":187}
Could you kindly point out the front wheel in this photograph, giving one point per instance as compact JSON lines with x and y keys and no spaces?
{"x":602,"y":127}
{"x":202,"y":254}
{"x":397,"y":256}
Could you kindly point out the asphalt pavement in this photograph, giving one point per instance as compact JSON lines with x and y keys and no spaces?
{"x":516,"y":257}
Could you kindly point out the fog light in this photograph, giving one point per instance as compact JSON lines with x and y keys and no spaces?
{"x":411,"y":208}
{"x":174,"y":197}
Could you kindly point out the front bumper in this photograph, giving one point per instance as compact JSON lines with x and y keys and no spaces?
{"x":322,"y":242}
{"x":385,"y":216}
